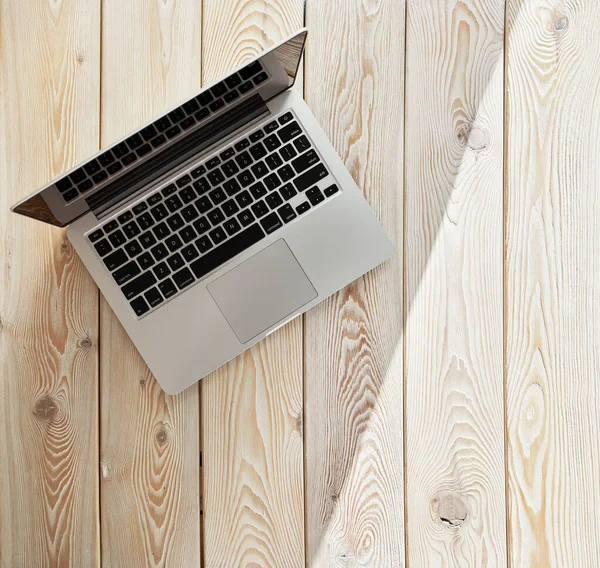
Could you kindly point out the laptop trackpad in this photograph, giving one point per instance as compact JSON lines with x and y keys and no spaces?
{"x":262,"y":291}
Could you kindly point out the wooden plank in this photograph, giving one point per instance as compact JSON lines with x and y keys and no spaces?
{"x":252,"y":407}
{"x":150,"y":444}
{"x":455,"y":484}
{"x":49,"y":119}
{"x":353,"y":386}
{"x":552,"y":273}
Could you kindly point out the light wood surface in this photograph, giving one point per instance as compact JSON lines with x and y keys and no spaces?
{"x":443,"y":410}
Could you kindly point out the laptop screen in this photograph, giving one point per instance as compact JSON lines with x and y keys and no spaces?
{"x":134,"y":162}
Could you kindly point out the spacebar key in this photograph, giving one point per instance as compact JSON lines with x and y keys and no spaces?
{"x":227,"y":251}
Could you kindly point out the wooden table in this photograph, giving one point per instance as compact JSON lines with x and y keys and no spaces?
{"x":442,"y":411}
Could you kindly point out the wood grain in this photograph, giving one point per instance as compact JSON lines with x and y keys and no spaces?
{"x":49,"y":78}
{"x":150,"y":491}
{"x":454,"y":439}
{"x":252,"y":407}
{"x":353,"y":386}
{"x":552,"y":274}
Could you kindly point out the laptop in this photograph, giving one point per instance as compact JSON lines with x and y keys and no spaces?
{"x":219,"y":221}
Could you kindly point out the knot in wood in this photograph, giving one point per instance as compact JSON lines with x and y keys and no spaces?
{"x":80,"y":59}
{"x":451,"y":509}
{"x":477,"y":139}
{"x":85,"y":343}
{"x":162,"y":436}
{"x":46,"y":408}
{"x":561,"y":22}
{"x":65,"y":246}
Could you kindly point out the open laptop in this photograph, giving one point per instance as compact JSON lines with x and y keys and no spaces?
{"x":218,"y":222}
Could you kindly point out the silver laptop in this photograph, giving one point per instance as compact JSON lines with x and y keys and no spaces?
{"x":218,"y":222}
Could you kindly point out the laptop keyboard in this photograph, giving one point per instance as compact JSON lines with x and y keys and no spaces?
{"x":214,"y":211}
{"x":165,"y":129}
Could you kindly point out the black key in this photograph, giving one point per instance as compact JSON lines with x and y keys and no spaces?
{"x":202,"y":114}
{"x":274,"y":161}
{"x":148,"y":132}
{"x":133,"y":248}
{"x":63,"y":184}
{"x":100,"y":176}
{"x":169,"y":190}
{"x":302,"y":143}
{"x":106,"y":158}
{"x":290,"y":131}
{"x":154,"y":298}
{"x":287,"y":213}
{"x":130,"y":158}
{"x":230,"y":208}
{"x":274,"y":200}
{"x":117,"y":238}
{"x":331,"y":190}
{"x":272,"y":182}
{"x":147,"y":240}
{"x":189,"y":213}
{"x":190,"y":253}
{"x":115,"y":259}
{"x":161,"y":231}
{"x":233,"y":81}
{"x":303,"y":208}
{"x":219,"y":89}
{"x":260,"y":78}
{"x":131,"y":229}
{"x":204,"y":244}
{"x":217,"y":196}
{"x":285,"y":118}
{"x":159,"y":251}
{"x":140,"y":208}
{"x":245,"y":87}
{"x":203,"y":204}
{"x":158,"y":141}
{"x":216,"y":216}
{"x":246,"y":178}
{"x":114,"y":168}
{"x":243,"y":160}
{"x":187,"y":122}
{"x":226,"y":154}
{"x":245,"y":217}
{"x":95,"y":235}
{"x":162,"y":123}
{"x":259,"y":170}
{"x":202,"y":225}
{"x":167,"y":288}
{"x":288,"y":152}
{"x":70,"y":195}
{"x":175,"y":222}
{"x":82,"y":187}
{"x":251,"y":70}
{"x":218,"y":235}
{"x":244,"y":199}
{"x":202,"y":186}
{"x":187,"y":234}
{"x":162,"y":270}
{"x":172,"y":132}
{"x":287,"y":191}
{"x":310,"y":177}
{"x":126,"y":273}
{"x":272,"y":142}
{"x":120,"y":150}
{"x":232,"y":226}
{"x":111,"y":226}
{"x":137,"y":286}
{"x":188,"y":194}
{"x":204,"y":98}
{"x":227,"y":251}
{"x":145,"y":220}
{"x":134,"y":141}
{"x":216,"y":105}
{"x":216,"y":177}
{"x":173,"y":203}
{"x":183,"y":278}
{"x":231,"y":187}
{"x":260,"y":209}
{"x":191,"y":106}
{"x":176,"y":261}
{"x":145,"y":260}
{"x":271,"y":223}
{"x":197,"y":172}
{"x":271,"y":127}
{"x":103,"y":247}
{"x":173,"y":243}
{"x":159,"y":212}
{"x":315,"y":197}
{"x":140,"y":307}
{"x":258,"y":190}
{"x":312,"y":192}
{"x":256,"y":136}
{"x":305,"y":161}
{"x":231,"y":96}
{"x":241,"y":145}
{"x":230,"y":168}
{"x":258,"y":151}
{"x":176,"y":115}
{"x":286,"y":173}
{"x":154,"y":199}
{"x":125,"y":217}
{"x":92,"y":167}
